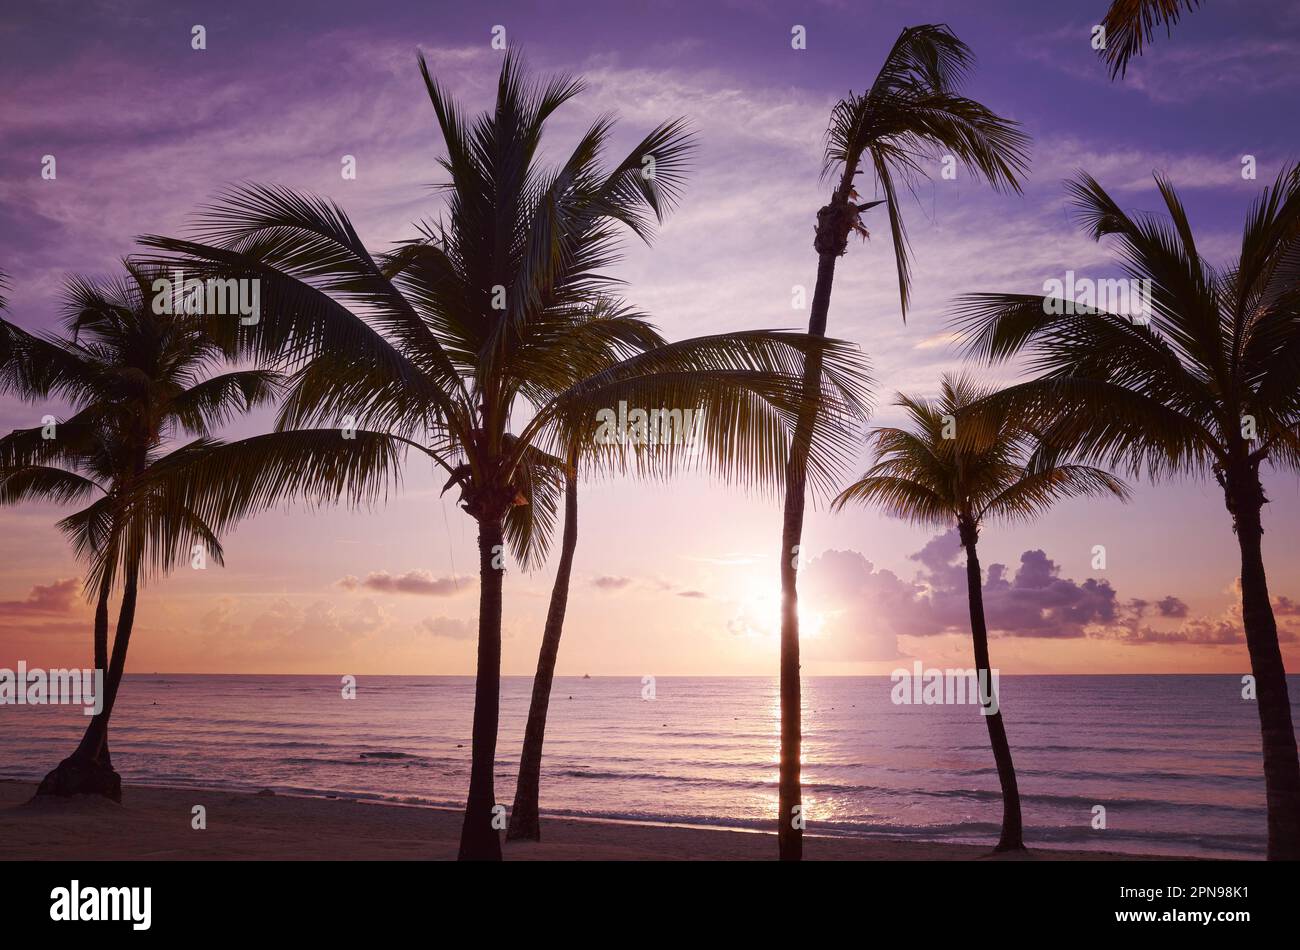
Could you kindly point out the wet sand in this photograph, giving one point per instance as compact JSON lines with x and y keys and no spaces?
{"x":155,"y":824}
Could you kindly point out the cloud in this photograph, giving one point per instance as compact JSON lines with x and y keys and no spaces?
{"x":1171,"y":606}
{"x":1038,"y":602}
{"x":864,"y":609}
{"x":1035,"y":601}
{"x":1187,"y":72}
{"x":655,"y":585}
{"x":1129,"y":167}
{"x":450,"y":627}
{"x":1202,"y":631}
{"x":852,"y":598}
{"x":1286,"y":607}
{"x":1179,"y":72}
{"x":57,"y":598}
{"x":1224,"y":630}
{"x":286,"y":633}
{"x":412,"y":582}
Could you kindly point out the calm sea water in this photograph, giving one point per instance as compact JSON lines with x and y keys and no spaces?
{"x":1175,"y":760}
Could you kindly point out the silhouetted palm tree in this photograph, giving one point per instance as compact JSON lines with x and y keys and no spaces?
{"x":929,"y":475}
{"x":912,"y":113}
{"x":135,"y":380}
{"x":1206,"y":382}
{"x":716,"y":448}
{"x":1131,"y":24}
{"x":488,"y":344}
{"x":524,"y":819}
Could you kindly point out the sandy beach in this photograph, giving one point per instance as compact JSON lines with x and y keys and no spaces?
{"x":154,"y":824}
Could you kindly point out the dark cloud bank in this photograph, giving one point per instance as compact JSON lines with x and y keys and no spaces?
{"x":1033,"y":601}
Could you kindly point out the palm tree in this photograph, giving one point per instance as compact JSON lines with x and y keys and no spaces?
{"x":931,"y":476}
{"x":136,"y":379}
{"x":1207,"y":381}
{"x":525,"y":822}
{"x":654,"y":461}
{"x":487,"y":343}
{"x":1131,"y":24}
{"x":913,"y":112}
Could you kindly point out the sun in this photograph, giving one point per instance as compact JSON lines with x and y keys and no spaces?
{"x":759,"y":615}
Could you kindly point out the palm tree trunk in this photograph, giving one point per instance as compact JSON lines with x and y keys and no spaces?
{"x":1012,"y":837}
{"x":1281,"y":767}
{"x":790,"y":786}
{"x":86,"y":771}
{"x":101,"y":644}
{"x":830,"y":242}
{"x":524,"y":821}
{"x":479,"y":840}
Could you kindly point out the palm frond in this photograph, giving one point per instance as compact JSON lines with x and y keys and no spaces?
{"x":743,"y":393}
{"x":214,"y":401}
{"x":1131,"y":24}
{"x":223,"y":482}
{"x":44,"y":483}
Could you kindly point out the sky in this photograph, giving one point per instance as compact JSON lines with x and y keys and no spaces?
{"x":668,"y":579}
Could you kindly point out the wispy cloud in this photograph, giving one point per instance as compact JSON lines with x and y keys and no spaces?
{"x":450,"y":627}
{"x":1197,"y":63}
{"x":412,"y":582}
{"x":59,"y":597}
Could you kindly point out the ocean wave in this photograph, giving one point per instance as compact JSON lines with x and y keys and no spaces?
{"x":388,"y":755}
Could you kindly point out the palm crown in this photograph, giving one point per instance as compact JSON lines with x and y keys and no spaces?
{"x":913,"y":112}
{"x":1209,"y":383}
{"x":935,"y":475}
{"x":136,"y":381}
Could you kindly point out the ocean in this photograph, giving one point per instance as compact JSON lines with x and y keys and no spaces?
{"x":1174,"y":760}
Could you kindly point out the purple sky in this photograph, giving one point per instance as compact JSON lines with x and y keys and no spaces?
{"x":144,"y":129}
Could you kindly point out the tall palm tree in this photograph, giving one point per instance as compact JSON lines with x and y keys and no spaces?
{"x":484,"y":343}
{"x":1131,"y":24}
{"x":1206,"y":383}
{"x":931,"y":476}
{"x":136,"y":380}
{"x":913,"y":112}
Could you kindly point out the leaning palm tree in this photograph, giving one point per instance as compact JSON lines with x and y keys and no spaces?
{"x":1131,"y":24}
{"x":936,"y":474}
{"x":674,"y":448}
{"x":482,"y":344}
{"x":1202,"y":380}
{"x":912,"y":113}
{"x":136,"y":379}
{"x":14,"y":341}
{"x":525,"y":822}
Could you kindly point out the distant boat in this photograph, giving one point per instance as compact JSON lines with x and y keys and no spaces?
{"x":586,"y":676}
